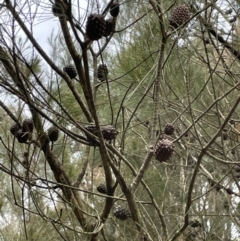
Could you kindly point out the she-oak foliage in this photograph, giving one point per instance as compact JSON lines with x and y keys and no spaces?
{"x":99,"y":163}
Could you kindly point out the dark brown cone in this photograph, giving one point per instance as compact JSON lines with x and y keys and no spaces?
{"x":179,"y":16}
{"x":91,"y":128}
{"x":110,"y":27}
{"x":109,"y":132}
{"x":53,"y":133}
{"x":70,"y":70}
{"x":95,"y":27}
{"x":164,"y":150}
{"x":169,"y":129}
{"x":27,"y":125}
{"x":121,"y":213}
{"x":102,"y":72}
{"x":21,"y":136}
{"x":15,"y":128}
{"x":102,"y":188}
{"x":229,"y":191}
{"x":114,"y":9}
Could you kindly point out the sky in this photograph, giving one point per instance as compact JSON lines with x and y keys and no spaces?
{"x":45,"y":22}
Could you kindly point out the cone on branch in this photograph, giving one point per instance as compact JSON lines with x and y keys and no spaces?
{"x":15,"y":128}
{"x":53,"y":133}
{"x":114,"y":9}
{"x":121,"y":213}
{"x":102,"y":72}
{"x":169,"y":129}
{"x":163,"y":150}
{"x":27,"y":125}
{"x":109,"y":132}
{"x":102,"y":188}
{"x":179,"y":16}
{"x":95,"y":27}
{"x":229,"y":191}
{"x":70,"y":71}
{"x":21,"y":136}
{"x":92,"y":129}
{"x":110,"y":27}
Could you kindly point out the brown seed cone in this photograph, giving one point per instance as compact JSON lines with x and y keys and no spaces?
{"x":70,"y":70}
{"x":114,"y":9}
{"x":121,"y":213}
{"x":22,"y":137}
{"x":229,"y":191}
{"x":53,"y":133}
{"x":102,"y":72}
{"x":102,"y":188}
{"x":164,"y":150}
{"x":27,"y":125}
{"x":15,"y":128}
{"x":95,"y":27}
{"x":179,"y":16}
{"x":110,"y":27}
{"x":169,"y":129}
{"x":109,"y":132}
{"x":91,"y":128}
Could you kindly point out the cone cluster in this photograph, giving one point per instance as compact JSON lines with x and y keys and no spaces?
{"x":23,"y":132}
{"x":109,"y":132}
{"x":97,"y":26}
{"x":180,"y":15}
{"x":70,"y":71}
{"x":164,"y":150}
{"x":121,"y":213}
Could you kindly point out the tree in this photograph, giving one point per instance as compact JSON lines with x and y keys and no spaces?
{"x":127,"y":129}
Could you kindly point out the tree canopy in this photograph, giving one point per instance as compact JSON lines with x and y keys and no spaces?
{"x":126,"y":127}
